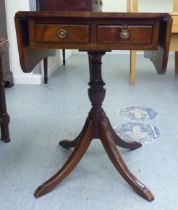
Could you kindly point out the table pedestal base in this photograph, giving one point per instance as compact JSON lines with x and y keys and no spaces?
{"x":97,"y":126}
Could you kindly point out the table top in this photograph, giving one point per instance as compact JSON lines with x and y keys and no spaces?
{"x":83,"y":15}
{"x":40,"y":32}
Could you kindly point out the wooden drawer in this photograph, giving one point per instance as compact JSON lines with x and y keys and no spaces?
{"x":128,"y":34}
{"x":61,"y":33}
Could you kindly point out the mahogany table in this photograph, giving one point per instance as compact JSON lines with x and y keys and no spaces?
{"x":4,"y":117}
{"x":38,"y":33}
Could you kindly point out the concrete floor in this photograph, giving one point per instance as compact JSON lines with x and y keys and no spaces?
{"x":42,"y":115}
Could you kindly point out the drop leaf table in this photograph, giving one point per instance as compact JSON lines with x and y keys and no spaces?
{"x":40,"y":33}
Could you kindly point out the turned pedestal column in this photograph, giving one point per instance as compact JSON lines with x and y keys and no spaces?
{"x":97,"y":126}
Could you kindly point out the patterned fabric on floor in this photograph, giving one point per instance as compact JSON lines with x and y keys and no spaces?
{"x":138,"y":113}
{"x":141,"y":132}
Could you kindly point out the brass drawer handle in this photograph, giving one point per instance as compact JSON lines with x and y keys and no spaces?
{"x":124,"y":32}
{"x":62,"y":33}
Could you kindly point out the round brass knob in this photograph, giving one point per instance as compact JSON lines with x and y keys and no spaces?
{"x":124,"y":32}
{"x":62,"y":33}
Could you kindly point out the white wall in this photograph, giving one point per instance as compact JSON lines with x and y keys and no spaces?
{"x":145,"y":5}
{"x":156,"y":5}
{"x":19,"y":77}
{"x":11,"y":8}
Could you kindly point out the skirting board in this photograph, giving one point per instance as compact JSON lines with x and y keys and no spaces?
{"x":51,"y":69}
{"x":37,"y":79}
{"x":34,"y":79}
{"x":28,"y":79}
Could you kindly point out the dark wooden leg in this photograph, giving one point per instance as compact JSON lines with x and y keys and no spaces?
{"x":64,"y":56}
{"x":103,"y":130}
{"x":45,"y":62}
{"x":69,"y":144}
{"x":176,"y":63}
{"x":4,"y":117}
{"x":97,"y":126}
{"x":70,"y":164}
{"x":121,"y":143}
{"x":118,"y":162}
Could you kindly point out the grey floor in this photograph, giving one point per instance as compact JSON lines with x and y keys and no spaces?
{"x":42,"y":115}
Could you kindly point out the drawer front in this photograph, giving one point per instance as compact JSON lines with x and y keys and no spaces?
{"x":128,"y":34}
{"x":61,"y":33}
